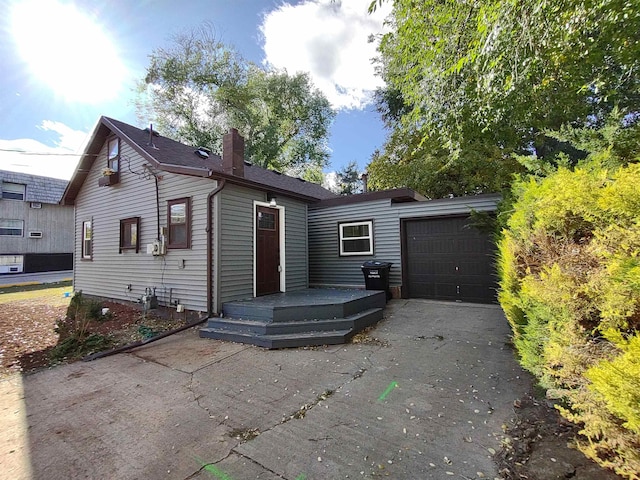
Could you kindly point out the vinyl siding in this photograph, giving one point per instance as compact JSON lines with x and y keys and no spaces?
{"x":328,"y":268}
{"x":236,"y":242}
{"x":180,"y":274}
{"x":295,"y":243}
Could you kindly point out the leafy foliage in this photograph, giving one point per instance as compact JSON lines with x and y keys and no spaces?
{"x":199,"y":88}
{"x":488,"y":79}
{"x":569,"y":265}
{"x":349,"y":181}
{"x":75,"y":338}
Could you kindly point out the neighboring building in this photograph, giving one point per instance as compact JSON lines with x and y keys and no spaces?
{"x":154,"y":215}
{"x":36,"y":233}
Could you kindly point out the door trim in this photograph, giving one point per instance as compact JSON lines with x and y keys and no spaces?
{"x":281,"y":244}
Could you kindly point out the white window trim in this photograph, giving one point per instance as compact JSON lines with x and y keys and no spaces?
{"x":368,"y":237}
{"x":283,"y":262}
{"x":87,"y":255}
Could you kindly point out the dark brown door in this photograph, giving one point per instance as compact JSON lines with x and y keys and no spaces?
{"x":448,"y":259}
{"x":267,"y":251}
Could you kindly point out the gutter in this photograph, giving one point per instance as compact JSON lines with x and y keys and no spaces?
{"x":212,"y":194}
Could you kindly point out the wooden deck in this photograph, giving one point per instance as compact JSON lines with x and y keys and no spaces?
{"x":300,"y":318}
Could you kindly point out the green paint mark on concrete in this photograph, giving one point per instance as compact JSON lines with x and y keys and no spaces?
{"x":215,"y":471}
{"x":302,"y":476}
{"x":391,"y":386}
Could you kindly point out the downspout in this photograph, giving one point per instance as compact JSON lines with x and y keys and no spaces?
{"x":221,"y":184}
{"x":155,"y":177}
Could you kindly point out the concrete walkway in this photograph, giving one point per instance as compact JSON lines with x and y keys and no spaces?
{"x":423,"y":397}
{"x":21,"y":279}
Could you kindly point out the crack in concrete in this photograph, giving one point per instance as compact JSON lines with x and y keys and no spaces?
{"x":259,"y":464}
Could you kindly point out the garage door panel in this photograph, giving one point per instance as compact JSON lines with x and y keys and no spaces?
{"x":447,"y":259}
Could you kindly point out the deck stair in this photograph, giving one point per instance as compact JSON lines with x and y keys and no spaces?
{"x":296,"y":319}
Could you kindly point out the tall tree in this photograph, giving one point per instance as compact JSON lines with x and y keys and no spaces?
{"x":502,"y":73}
{"x":199,"y":88}
{"x":349,"y":181}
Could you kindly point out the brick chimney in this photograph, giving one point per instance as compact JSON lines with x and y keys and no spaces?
{"x":233,"y":153}
{"x":365,"y":183}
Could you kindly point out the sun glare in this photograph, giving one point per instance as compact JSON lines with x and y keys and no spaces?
{"x":67,"y":50}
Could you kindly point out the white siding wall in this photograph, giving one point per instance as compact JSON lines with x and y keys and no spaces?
{"x":182,"y":270}
{"x":327,"y":267}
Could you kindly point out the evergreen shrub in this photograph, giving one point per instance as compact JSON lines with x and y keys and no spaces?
{"x":569,"y":267}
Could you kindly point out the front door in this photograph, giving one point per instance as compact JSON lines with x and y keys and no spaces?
{"x":267,"y":251}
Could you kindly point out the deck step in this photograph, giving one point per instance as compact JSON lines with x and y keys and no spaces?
{"x":303,"y":339}
{"x":358,"y":321}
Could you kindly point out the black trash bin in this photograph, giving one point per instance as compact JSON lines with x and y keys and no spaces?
{"x":376,"y":276}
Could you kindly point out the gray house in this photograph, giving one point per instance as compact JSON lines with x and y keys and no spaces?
{"x":36,"y":233}
{"x":200,"y":231}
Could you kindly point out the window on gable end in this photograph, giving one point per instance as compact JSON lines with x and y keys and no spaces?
{"x":113,"y":154}
{"x":179,"y":223}
{"x":130,"y":234}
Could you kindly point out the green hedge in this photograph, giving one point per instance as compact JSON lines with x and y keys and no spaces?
{"x":569,"y":266}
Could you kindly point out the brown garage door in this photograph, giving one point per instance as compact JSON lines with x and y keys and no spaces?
{"x":447,"y":259}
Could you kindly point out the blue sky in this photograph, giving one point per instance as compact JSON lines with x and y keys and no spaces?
{"x":65,"y":63}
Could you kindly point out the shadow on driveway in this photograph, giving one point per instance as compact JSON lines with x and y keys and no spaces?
{"x":424,"y":395}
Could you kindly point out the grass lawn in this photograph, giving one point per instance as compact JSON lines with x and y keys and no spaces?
{"x":51,"y":293}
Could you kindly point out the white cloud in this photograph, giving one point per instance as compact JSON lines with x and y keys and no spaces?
{"x":330,"y":40}
{"x":27,"y":155}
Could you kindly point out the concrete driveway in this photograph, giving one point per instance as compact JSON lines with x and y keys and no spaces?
{"x":424,"y":396}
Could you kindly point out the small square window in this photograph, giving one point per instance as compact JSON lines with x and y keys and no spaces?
{"x":13,"y":191}
{"x":179,"y":223}
{"x":11,"y":228}
{"x":356,"y":238}
{"x":129,"y":234}
{"x":87,"y":240}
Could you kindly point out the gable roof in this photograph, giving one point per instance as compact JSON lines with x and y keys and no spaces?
{"x":38,"y":189}
{"x":175,"y":157}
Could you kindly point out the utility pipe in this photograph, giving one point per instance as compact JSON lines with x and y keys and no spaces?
{"x":221,"y":184}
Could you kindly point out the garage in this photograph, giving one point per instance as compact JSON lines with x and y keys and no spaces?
{"x":446,"y":258}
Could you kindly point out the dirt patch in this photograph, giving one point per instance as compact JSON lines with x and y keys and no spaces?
{"x":539,"y":446}
{"x":29,"y":336}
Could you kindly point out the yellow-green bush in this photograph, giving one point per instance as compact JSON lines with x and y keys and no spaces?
{"x":569,"y":266}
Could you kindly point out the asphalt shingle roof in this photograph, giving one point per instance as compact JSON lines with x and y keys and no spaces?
{"x":38,"y":189}
{"x":170,"y":153}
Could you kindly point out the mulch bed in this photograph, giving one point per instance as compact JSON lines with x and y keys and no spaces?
{"x":28,"y":334}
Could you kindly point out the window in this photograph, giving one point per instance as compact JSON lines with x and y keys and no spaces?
{"x":11,"y":228}
{"x":356,"y":238}
{"x":113,"y":154}
{"x":87,"y":240}
{"x":129,"y":238}
{"x":179,"y":223}
{"x":13,"y":191}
